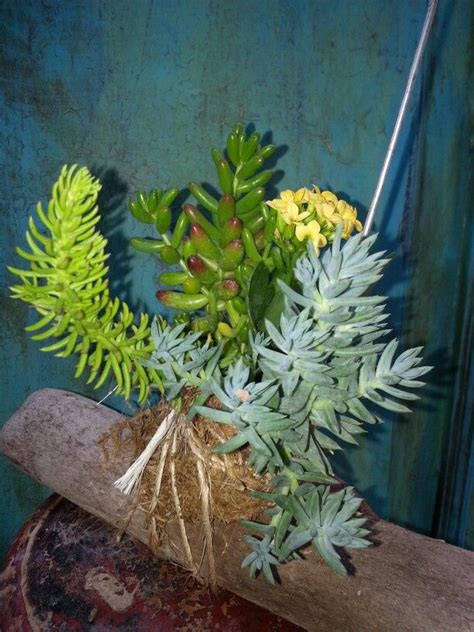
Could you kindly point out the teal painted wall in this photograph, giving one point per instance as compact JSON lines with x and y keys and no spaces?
{"x":140,"y":91}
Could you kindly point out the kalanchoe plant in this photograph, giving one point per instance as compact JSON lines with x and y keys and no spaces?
{"x":287,"y":337}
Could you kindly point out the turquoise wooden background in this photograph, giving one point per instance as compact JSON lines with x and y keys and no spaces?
{"x":140,"y":90}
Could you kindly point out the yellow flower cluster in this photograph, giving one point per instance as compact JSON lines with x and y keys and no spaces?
{"x":315,"y":214}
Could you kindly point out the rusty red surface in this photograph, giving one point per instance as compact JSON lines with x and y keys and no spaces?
{"x":66,"y":572}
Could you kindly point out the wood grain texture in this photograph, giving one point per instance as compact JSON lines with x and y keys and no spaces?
{"x":406,"y":582}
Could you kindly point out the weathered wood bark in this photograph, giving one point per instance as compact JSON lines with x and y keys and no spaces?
{"x":406,"y":582}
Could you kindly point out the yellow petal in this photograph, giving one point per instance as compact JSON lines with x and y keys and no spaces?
{"x":274,"y":203}
{"x":280,"y":205}
{"x":329,"y":196}
{"x":301,"y":232}
{"x":311,"y":230}
{"x":302,"y":196}
{"x":303,"y":215}
{"x":292,"y":215}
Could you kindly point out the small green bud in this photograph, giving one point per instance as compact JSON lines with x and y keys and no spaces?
{"x":152,"y":246}
{"x":250,"y":146}
{"x":233,"y":148}
{"x":227,"y":289}
{"x":267,"y":151}
{"x":224,"y":173}
{"x":63,"y":262}
{"x":202,"y":242}
{"x":260,"y":240}
{"x":231,"y":230}
{"x":184,"y":302}
{"x":179,"y":230}
{"x":198,"y":269}
{"x":163,"y":220}
{"x":225,"y":330}
{"x":173,"y":278}
{"x":232,"y":255}
{"x":191,"y":285}
{"x":226,"y":209}
{"x":250,"y":167}
{"x":59,"y":306}
{"x":196,"y":217}
{"x":188,"y":248}
{"x":239,"y":305}
{"x":250,"y":201}
{"x":244,"y":272}
{"x":169,"y":255}
{"x":204,"y":323}
{"x":167,"y":199}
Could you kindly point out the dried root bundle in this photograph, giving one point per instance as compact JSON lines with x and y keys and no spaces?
{"x":184,"y":481}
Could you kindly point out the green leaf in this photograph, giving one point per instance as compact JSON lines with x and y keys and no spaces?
{"x":232,"y":444}
{"x":323,"y":546}
{"x":273,"y":426}
{"x":282,"y":527}
{"x":70,"y":289}
{"x":275,"y":308}
{"x":215,"y":414}
{"x":298,"y":538}
{"x":317,"y":477}
{"x":256,"y":526}
{"x":389,"y":404}
{"x":260,"y":294}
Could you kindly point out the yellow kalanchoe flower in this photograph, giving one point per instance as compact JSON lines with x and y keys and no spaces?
{"x":311,"y":230}
{"x":333,"y":211}
{"x":302,"y":196}
{"x":287,"y":205}
{"x":315,"y":214}
{"x":348,"y":215}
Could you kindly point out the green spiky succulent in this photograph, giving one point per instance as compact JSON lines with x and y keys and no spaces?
{"x":298,"y":393}
{"x":307,"y":387}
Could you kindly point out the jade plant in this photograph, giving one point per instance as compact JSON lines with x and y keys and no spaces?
{"x":217,"y":243}
{"x":274,"y":319}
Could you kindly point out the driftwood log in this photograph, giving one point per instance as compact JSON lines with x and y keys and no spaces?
{"x":405,"y":582}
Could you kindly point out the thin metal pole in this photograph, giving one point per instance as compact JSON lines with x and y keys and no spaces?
{"x":401,"y":113}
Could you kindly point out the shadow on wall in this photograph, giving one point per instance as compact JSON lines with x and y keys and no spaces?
{"x":111,"y":201}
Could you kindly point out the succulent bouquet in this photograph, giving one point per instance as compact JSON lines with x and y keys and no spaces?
{"x":274,"y":320}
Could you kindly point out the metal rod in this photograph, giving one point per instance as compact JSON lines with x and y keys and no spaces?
{"x":402,"y":111}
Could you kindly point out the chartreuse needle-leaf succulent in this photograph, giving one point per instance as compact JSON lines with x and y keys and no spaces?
{"x":274,"y":318}
{"x":66,"y":283}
